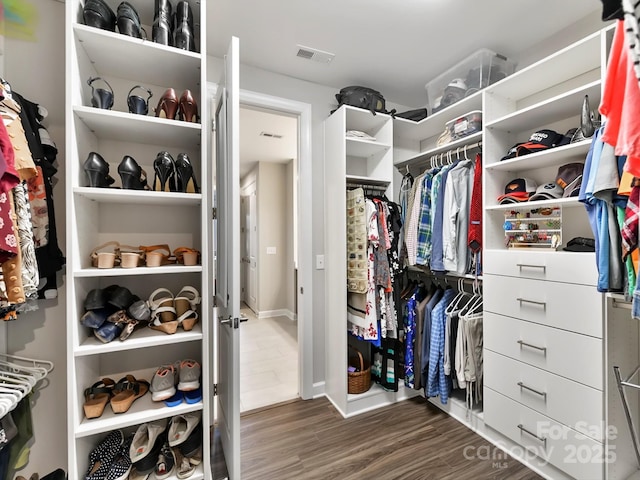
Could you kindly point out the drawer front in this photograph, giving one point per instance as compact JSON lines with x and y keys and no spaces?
{"x":578,"y":455}
{"x":568,"y":267}
{"x":571,"y":355}
{"x":570,"y":403}
{"x":577,"y":308}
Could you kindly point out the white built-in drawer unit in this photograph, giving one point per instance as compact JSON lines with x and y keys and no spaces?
{"x":571,"y":355}
{"x":568,"y":267}
{"x":574,"y":453}
{"x":577,"y":308}
{"x":568,"y":402}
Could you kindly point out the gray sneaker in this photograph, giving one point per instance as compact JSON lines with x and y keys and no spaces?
{"x":189,"y":376}
{"x":163,"y":383}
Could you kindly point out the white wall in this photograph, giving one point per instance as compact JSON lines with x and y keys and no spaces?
{"x":36,"y":71}
{"x":272,"y":234}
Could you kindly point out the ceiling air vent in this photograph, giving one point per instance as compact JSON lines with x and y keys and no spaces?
{"x":314,"y":54}
{"x":270,"y":135}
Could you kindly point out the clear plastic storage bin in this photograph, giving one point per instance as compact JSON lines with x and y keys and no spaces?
{"x":472,"y":74}
{"x":465,"y":125}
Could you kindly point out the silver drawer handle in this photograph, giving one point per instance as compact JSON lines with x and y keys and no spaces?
{"x":525,"y":344}
{"x":542,"y":394}
{"x":534,"y":302}
{"x":526,"y":265}
{"x":543,"y":439}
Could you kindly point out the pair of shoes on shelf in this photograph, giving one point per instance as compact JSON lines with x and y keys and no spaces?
{"x":174,"y":176}
{"x":132,"y":175}
{"x":110,"y":458}
{"x":185,"y":108}
{"x":104,"y":97}
{"x":168,"y":312}
{"x":174,"y":30}
{"x":122,"y":255}
{"x":120,"y":395}
{"x":114,"y":312}
{"x":97,"y":13}
{"x":176,"y":382}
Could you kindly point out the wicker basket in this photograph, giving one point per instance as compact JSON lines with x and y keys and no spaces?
{"x":359,"y":382}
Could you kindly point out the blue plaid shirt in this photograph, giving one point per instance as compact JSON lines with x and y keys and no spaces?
{"x":437,"y":382}
{"x":424,"y":221}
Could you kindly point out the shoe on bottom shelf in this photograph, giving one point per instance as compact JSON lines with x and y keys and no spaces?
{"x":184,"y":468}
{"x":144,"y":443}
{"x":121,"y":465}
{"x":166,"y":464}
{"x":182,"y":426}
{"x":101,"y":457}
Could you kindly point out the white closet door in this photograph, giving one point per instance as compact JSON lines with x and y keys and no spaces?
{"x":228,"y":258}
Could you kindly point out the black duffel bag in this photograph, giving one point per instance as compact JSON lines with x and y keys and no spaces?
{"x":362,"y":97}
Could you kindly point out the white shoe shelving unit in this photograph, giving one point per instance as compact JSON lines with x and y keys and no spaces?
{"x":97,"y":215}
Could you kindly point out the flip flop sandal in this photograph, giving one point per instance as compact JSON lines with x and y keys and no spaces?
{"x":163,"y":312}
{"x":155,"y":257}
{"x":97,"y":396}
{"x":104,"y":259}
{"x":185,"y":305}
{"x":186,"y":256}
{"x":127,"y":390}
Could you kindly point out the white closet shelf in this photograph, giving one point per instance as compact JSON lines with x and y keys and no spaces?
{"x":143,"y":410}
{"x":569,"y":62}
{"x":367,"y":180}
{"x":126,"y":272}
{"x":563,"y":202}
{"x":424,"y":156}
{"x":561,"y":106}
{"x":127,"y":127}
{"x":140,"y":338}
{"x":434,"y":124}
{"x":365,"y":123}
{"x":358,"y":147}
{"x":142,"y":61}
{"x":139,"y":197}
{"x":542,"y":159}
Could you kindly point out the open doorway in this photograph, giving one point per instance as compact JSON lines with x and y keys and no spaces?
{"x":269,"y":352}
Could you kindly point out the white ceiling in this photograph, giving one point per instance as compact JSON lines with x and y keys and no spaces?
{"x":394,"y":46}
{"x":256,"y":148}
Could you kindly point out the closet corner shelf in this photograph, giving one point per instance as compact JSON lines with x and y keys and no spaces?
{"x":423,"y":157}
{"x":564,"y":105}
{"x":139,"y":197}
{"x":434,"y":124}
{"x":142,"y":410}
{"x":115,"y":55}
{"x":126,"y":272}
{"x":563,"y":202}
{"x":127,"y":127}
{"x":140,"y":338}
{"x":542,"y":159}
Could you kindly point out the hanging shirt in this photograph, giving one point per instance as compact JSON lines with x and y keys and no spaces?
{"x":437,"y":264}
{"x":455,"y":217}
{"x":423,"y":251}
{"x":437,"y":383}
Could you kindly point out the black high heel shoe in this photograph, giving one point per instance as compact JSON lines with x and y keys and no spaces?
{"x":185,"y":179}
{"x":97,"y":171}
{"x":162,"y":30}
{"x":101,"y":98}
{"x":128,"y":20}
{"x":165,"y":173}
{"x":136,"y":103}
{"x":183,"y":36}
{"x":132,"y":175}
{"x":96,"y":13}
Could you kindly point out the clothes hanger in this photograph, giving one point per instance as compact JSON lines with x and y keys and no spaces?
{"x":38,"y":372}
{"x":46,"y":364}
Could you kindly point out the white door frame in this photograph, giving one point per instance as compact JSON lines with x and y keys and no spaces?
{"x":305,"y":253}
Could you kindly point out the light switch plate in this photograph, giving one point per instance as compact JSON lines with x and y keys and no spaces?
{"x":319,"y":262}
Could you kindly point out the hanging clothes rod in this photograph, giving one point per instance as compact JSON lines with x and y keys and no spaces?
{"x":368,"y":186}
{"x":437,"y":157}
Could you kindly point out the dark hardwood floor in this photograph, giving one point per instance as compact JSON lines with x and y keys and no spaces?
{"x":411,"y":440}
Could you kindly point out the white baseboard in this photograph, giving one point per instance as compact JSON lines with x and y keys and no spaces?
{"x":283,"y":312}
{"x":318,"y":389}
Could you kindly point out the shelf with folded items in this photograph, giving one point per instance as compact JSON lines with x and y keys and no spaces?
{"x":127,"y":127}
{"x":142,"y":337}
{"x":134,"y":58}
{"x":360,"y":147}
